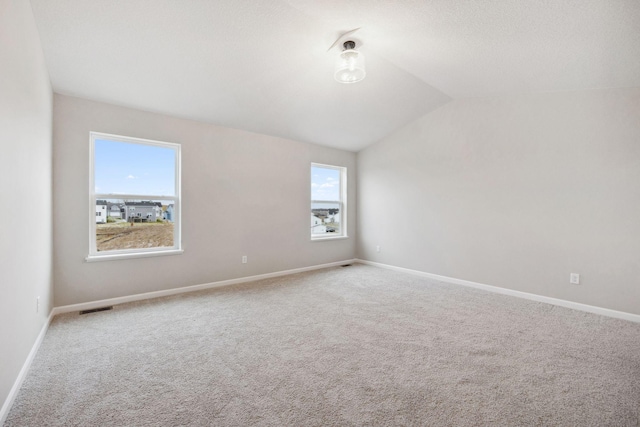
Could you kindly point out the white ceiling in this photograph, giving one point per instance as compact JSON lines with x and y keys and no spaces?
{"x":263,"y":65}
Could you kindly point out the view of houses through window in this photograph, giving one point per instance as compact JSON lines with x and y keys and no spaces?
{"x":327,"y":201}
{"x":131,"y":224}
{"x":135,"y":194}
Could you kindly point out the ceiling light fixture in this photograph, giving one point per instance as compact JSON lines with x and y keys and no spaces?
{"x":350,"y":64}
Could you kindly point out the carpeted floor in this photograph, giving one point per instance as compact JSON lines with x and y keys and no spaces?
{"x":345,"y":346}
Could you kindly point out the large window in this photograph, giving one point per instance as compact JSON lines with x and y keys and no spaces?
{"x":134,"y":197}
{"x":328,"y":201}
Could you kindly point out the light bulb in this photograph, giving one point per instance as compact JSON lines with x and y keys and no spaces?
{"x":350,"y":67}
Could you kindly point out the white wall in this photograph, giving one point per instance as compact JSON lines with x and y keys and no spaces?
{"x":243,"y":194}
{"x":25,"y":189}
{"x":515,"y":192}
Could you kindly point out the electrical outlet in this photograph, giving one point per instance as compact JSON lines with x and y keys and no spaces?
{"x":244,"y":259}
{"x":37,"y":304}
{"x":378,"y":248}
{"x":574,"y":278}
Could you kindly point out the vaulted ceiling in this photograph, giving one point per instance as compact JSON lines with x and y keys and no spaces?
{"x":263,"y":65}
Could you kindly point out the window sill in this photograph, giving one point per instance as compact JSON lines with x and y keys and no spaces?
{"x":113,"y":257}
{"x":322,"y":239}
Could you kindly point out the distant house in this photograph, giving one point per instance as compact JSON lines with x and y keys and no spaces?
{"x":317,"y":226}
{"x":101,"y":211}
{"x":332,"y":218}
{"x":168,"y":213}
{"x":141,"y":211}
{"x":114,"y":210}
{"x":159,"y":210}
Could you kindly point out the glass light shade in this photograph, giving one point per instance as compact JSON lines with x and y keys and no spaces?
{"x":350,"y":67}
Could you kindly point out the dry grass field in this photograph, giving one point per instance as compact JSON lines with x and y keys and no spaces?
{"x":123,"y":235}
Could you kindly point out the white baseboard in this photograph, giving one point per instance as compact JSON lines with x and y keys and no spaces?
{"x":156,"y":294}
{"x":533,"y":297}
{"x":6,"y":407}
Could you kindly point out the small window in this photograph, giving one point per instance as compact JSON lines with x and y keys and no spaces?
{"x":328,"y":201}
{"x":137,"y":178}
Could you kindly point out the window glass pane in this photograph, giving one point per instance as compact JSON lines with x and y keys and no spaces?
{"x":325,"y":218}
{"x":327,"y":204}
{"x":325,"y":183}
{"x":134,"y":224}
{"x":124,"y":168}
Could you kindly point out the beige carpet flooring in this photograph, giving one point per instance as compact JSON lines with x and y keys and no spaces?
{"x":345,"y":346}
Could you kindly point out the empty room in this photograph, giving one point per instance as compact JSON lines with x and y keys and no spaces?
{"x":320,"y":213}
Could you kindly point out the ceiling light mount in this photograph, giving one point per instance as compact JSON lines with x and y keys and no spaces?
{"x":350,"y":66}
{"x":349,"y":44}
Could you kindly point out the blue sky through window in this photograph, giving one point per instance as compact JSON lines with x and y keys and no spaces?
{"x":325,"y":183}
{"x":127,"y":168}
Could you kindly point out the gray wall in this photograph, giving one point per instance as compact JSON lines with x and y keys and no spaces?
{"x":515,"y":192}
{"x":25,"y":180}
{"x":243,"y":194}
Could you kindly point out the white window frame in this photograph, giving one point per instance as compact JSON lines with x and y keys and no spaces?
{"x":94,"y":255}
{"x":342,"y":203}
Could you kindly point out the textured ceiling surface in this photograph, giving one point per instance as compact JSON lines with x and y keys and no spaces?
{"x":263,"y":65}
